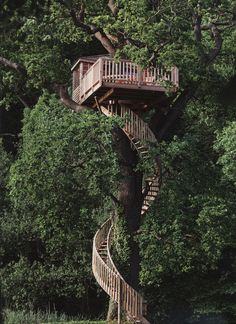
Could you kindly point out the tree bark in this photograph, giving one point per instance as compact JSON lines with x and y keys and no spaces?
{"x":12,"y":65}
{"x":130,"y":197}
{"x":66,"y":99}
{"x":112,"y":311}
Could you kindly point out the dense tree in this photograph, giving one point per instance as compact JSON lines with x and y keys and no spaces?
{"x":58,"y":191}
{"x":189,"y":231}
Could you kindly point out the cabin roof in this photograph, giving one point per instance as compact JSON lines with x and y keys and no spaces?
{"x":90,"y":59}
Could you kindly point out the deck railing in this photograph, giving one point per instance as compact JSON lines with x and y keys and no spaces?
{"x":124,"y":72}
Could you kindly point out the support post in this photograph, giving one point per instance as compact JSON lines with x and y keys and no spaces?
{"x":140,"y":73}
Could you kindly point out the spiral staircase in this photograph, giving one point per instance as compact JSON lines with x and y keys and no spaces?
{"x":105,"y":271}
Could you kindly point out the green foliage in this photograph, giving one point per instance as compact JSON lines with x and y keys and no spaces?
{"x":5,"y":163}
{"x":58,"y":187}
{"x":121,"y":244}
{"x":187,"y":242}
{"x":42,"y":38}
{"x":30,"y":317}
{"x":226,"y":144}
{"x":165,"y":29}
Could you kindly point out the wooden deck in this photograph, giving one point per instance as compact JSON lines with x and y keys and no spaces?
{"x":126,"y":77}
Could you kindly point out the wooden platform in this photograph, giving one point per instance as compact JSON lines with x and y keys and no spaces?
{"x":127,"y":79}
{"x":133,"y":94}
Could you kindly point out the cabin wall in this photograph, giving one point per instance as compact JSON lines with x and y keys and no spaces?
{"x":79,"y":72}
{"x":76,"y":79}
{"x":86,"y":66}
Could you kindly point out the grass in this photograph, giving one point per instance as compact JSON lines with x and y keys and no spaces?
{"x":30,"y":317}
{"x":75,"y":322}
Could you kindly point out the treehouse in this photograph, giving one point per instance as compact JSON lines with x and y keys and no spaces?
{"x":123,"y":88}
{"x":102,"y":77}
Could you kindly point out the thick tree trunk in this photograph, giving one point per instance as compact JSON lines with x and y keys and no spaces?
{"x":112,"y":311}
{"x":130,"y":197}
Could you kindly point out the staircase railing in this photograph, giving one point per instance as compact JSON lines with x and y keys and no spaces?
{"x":111,"y":280}
{"x":134,"y":125}
{"x":104,"y":268}
{"x":107,"y":278}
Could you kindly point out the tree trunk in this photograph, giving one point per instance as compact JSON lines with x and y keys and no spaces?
{"x":130,"y":197}
{"x":112,"y":311}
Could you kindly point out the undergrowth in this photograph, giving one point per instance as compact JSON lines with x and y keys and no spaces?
{"x":39,"y":317}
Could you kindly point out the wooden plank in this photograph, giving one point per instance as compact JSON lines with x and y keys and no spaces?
{"x":104,"y":97}
{"x":105,"y":63}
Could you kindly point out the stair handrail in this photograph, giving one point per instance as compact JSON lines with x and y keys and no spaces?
{"x":132,"y":302}
{"x":136,"y":307}
{"x":106,"y":273}
{"x":109,"y":240}
{"x":100,"y":269}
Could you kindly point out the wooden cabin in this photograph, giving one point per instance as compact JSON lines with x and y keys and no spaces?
{"x":102,"y":77}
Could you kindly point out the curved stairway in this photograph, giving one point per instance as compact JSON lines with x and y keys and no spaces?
{"x":105,"y":272}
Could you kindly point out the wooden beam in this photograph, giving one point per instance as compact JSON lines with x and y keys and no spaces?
{"x":104,"y":97}
{"x":97,"y":104}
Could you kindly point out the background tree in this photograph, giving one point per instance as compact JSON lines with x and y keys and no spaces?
{"x":189,"y":231}
{"x":58,"y":196}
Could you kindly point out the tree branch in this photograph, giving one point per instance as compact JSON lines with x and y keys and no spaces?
{"x":60,"y":89}
{"x":197,"y":27}
{"x":92,"y":30}
{"x":66,"y":99}
{"x":105,"y":41}
{"x":12,"y":65}
{"x":218,"y":44}
{"x":23,"y":101}
{"x":114,"y":9}
{"x":8,"y":134}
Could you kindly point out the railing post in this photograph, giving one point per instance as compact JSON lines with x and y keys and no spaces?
{"x":176,"y":76}
{"x":100,"y":70}
{"x":139,"y":75}
{"x":173,"y":75}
